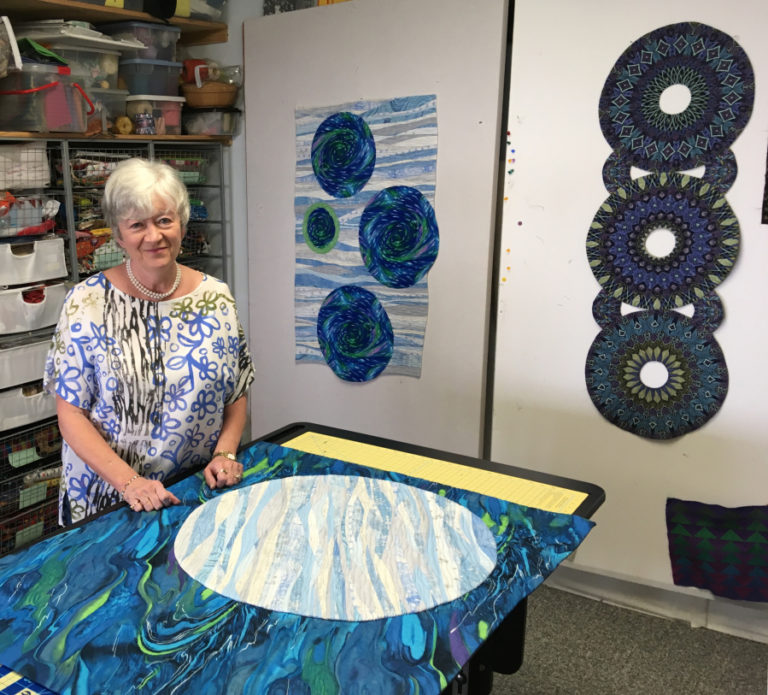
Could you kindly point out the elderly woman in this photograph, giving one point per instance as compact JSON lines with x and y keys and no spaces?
{"x":149,"y":364}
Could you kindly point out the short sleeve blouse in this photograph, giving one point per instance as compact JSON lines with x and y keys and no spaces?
{"x":154,"y":377}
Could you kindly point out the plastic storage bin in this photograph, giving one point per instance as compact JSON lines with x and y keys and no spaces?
{"x":158,"y":77}
{"x":31,"y":308}
{"x":160,"y":39}
{"x":90,"y":67}
{"x":155,"y":114}
{"x":42,"y":99}
{"x":201,"y":9}
{"x":109,"y":105}
{"x":10,"y":59}
{"x":27,"y":262}
{"x":210,"y":121}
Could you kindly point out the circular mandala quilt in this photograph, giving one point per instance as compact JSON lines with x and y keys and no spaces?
{"x":696,"y":382}
{"x":715,"y":70}
{"x":706,"y":241}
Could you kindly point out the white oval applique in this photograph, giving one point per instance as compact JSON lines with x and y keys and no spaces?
{"x":336,"y":547}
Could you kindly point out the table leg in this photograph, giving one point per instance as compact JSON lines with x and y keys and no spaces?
{"x":501,"y":653}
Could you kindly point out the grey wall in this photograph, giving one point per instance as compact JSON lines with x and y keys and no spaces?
{"x":370,"y":49}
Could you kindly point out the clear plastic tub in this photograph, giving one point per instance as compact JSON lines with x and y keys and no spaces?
{"x":158,"y":77}
{"x":210,"y":121}
{"x":91,"y":67}
{"x":160,"y":39}
{"x":42,"y":99}
{"x":154,"y":114}
{"x":109,"y":105}
{"x":9,"y":51}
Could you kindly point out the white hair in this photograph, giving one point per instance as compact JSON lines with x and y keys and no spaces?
{"x":133,"y":188}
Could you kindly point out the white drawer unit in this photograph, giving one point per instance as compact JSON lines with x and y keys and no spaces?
{"x":31,"y":308}
{"x":25,"y":405}
{"x":27,"y":262}
{"x":22,"y":363}
{"x":43,"y":252}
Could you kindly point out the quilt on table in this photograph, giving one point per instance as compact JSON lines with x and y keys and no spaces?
{"x":106,"y":607}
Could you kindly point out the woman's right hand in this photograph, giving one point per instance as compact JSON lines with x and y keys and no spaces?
{"x":145,"y":495}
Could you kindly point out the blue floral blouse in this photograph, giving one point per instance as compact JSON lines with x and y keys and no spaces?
{"x":154,"y":377}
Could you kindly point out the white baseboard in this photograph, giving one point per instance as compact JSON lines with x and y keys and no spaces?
{"x":699,"y":608}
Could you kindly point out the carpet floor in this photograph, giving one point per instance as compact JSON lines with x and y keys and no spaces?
{"x":579,"y":646}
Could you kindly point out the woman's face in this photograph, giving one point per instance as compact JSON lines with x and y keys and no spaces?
{"x":153,"y":242}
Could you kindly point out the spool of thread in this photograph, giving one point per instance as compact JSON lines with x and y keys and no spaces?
{"x":144,"y":124}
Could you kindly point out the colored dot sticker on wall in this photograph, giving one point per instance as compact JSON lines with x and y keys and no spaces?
{"x":507,"y":268}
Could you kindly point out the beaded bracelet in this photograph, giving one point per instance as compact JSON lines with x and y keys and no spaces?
{"x":125,"y":487}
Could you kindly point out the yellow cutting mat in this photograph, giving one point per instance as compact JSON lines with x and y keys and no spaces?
{"x":519,"y":490}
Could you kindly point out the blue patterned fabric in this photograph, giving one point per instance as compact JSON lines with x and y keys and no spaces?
{"x":154,"y":376}
{"x":667,"y":202}
{"x":105,"y":607}
{"x":369,"y":166}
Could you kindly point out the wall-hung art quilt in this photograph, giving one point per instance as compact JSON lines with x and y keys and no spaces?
{"x":722,"y":549}
{"x":366,"y":234}
{"x":667,"y":239}
{"x":311,"y":576}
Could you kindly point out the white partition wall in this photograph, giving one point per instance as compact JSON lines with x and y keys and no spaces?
{"x":543,"y":416}
{"x":368,"y":49}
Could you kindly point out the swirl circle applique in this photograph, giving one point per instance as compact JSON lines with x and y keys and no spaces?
{"x":355,"y":333}
{"x":706,"y":241}
{"x":343,"y":154}
{"x":696,"y":382}
{"x":398,"y":235}
{"x":715,"y":70}
{"x":320,"y":227}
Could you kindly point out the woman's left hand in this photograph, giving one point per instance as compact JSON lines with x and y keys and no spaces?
{"x":223,"y":472}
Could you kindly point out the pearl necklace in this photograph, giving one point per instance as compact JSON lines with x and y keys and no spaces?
{"x":149,"y":293}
